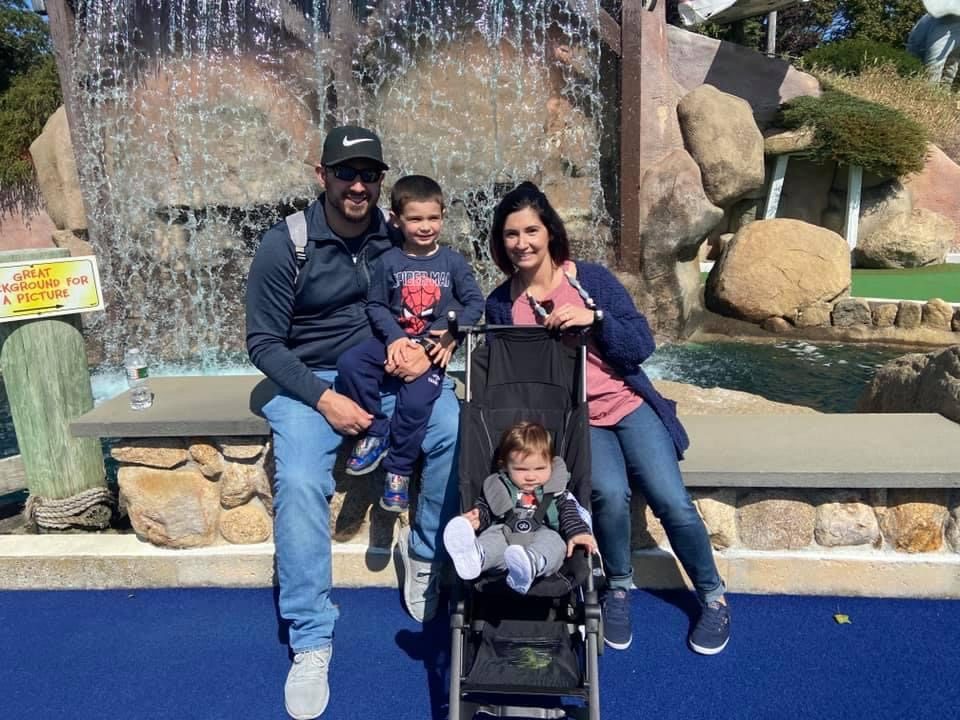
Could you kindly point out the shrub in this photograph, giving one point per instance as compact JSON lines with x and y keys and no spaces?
{"x":24,"y":108}
{"x":932,"y":106}
{"x":851,"y":57}
{"x":853,"y":131}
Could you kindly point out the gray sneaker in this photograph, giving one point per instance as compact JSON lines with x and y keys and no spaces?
{"x":307,"y":691}
{"x":419,"y":579}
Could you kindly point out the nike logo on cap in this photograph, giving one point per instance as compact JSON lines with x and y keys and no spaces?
{"x":348,"y":143}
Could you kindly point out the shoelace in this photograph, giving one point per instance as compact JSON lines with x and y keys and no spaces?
{"x":310,"y":661}
{"x":616,"y":609}
{"x":714,"y":617}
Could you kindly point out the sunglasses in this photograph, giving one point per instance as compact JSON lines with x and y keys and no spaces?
{"x":349,"y":174}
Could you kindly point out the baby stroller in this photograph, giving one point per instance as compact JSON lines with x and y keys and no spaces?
{"x":516,"y":655}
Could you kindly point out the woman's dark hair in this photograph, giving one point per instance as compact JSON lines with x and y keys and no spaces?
{"x":527,"y":195}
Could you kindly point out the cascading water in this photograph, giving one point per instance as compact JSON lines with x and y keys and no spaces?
{"x":200,"y":121}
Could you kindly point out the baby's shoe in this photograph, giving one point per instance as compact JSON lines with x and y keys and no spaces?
{"x":461,"y":543}
{"x":367,"y":454}
{"x":395,"y":488}
{"x":521,"y":568}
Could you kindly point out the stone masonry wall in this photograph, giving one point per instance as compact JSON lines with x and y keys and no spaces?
{"x":190,"y":492}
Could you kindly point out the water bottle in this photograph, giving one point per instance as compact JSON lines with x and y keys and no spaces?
{"x":135,"y":364}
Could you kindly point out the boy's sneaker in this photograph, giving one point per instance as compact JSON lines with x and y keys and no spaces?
{"x":419,"y":580}
{"x":367,"y":454}
{"x":521,"y":570}
{"x":712,"y":631}
{"x":617,"y":630}
{"x":307,"y":691}
{"x":460,"y":540}
{"x":395,"y":497}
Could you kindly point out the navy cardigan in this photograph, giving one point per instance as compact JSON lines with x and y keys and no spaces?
{"x":623,"y":338}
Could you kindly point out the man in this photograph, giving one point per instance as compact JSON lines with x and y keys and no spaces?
{"x":936,"y":41}
{"x":301,"y":315}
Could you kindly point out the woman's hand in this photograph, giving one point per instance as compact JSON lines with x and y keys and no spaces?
{"x":584,"y":540}
{"x":442,"y":348}
{"x":567,"y":317}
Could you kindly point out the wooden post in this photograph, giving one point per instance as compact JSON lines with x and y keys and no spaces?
{"x":772,"y":33}
{"x":776,"y":187}
{"x":631,"y":71}
{"x":48,"y":385}
{"x":852,"y":223}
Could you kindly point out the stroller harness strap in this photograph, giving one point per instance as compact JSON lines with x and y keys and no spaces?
{"x":501,"y":496}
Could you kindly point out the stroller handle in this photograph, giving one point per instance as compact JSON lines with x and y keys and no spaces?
{"x":470,"y":332}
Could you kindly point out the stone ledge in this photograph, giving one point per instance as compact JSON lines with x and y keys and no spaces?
{"x":857,"y":450}
{"x":80,"y":562}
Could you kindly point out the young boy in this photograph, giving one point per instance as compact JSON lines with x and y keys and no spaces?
{"x":508,"y":528}
{"x":411,"y":290}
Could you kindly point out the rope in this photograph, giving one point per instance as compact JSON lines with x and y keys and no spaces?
{"x":90,"y":509}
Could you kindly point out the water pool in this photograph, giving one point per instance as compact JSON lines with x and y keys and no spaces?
{"x":827,"y":377}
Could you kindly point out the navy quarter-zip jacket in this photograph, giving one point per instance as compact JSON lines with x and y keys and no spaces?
{"x":300,"y":323}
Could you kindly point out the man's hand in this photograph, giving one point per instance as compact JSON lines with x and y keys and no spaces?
{"x":413,"y":364}
{"x":584,"y":540}
{"x":441,"y":350}
{"x":343,"y":414}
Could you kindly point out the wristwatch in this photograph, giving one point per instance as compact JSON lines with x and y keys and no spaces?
{"x":597,"y":316}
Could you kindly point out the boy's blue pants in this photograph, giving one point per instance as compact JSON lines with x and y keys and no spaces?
{"x":361,"y":375}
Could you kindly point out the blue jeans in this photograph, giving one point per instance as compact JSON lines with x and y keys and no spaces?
{"x":305,"y":449}
{"x":638,"y":453}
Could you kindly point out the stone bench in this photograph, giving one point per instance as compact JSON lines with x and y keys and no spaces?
{"x":847,"y":504}
{"x":750,"y":451}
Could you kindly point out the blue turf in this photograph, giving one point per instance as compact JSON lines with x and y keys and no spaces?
{"x":215,"y":653}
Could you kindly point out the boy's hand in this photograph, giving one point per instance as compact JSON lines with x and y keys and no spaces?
{"x":412,"y":364}
{"x":473,"y":516}
{"x":442,"y":348}
{"x":584,"y":540}
{"x":398,"y":351}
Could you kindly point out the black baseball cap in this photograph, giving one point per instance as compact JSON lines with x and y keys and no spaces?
{"x":349,"y":142}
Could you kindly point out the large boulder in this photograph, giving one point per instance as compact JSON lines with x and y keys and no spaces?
{"x":773,"y":268}
{"x":918,"y":382}
{"x":764,"y":82}
{"x":937,"y":188}
{"x":721,"y":135}
{"x":675,"y":218}
{"x":56,"y":167}
{"x":915,"y":240}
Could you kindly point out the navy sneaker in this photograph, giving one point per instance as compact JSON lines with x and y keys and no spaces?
{"x":395,"y":496}
{"x":367,"y":454}
{"x":712,"y":631}
{"x":617,"y":631}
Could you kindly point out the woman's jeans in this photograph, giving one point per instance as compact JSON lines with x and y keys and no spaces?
{"x":305,"y":450}
{"x":640,"y":448}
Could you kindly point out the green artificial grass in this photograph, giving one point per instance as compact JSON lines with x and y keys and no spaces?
{"x":936,"y":281}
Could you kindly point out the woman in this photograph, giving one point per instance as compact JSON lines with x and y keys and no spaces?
{"x":635,"y":435}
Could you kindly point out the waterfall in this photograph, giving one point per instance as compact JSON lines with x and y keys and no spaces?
{"x":201,"y":122}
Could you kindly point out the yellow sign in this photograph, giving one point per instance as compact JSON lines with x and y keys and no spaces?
{"x":49,"y":287}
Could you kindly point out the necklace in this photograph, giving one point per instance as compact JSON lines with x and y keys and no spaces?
{"x":542,"y":312}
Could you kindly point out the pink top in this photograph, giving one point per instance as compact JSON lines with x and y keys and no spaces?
{"x":609,"y":398}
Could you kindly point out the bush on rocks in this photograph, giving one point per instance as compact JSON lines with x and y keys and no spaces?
{"x":852,"y":56}
{"x":852,"y":131}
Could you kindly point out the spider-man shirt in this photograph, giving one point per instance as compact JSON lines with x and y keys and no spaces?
{"x":410,"y":295}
